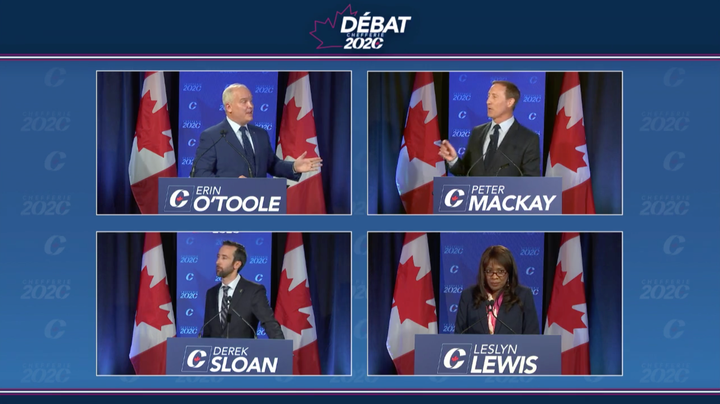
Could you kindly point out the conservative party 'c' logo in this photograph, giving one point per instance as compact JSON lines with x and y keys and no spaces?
{"x":454,"y":198}
{"x":454,"y":358}
{"x":177,"y":199}
{"x":196,"y":358}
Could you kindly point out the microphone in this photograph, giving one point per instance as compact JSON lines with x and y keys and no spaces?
{"x":241,"y":154}
{"x":513,"y":163}
{"x":482,"y":143}
{"x":192,"y":170}
{"x":472,"y":325}
{"x":227,"y":326}
{"x":245,"y":321}
{"x":205,"y":325}
{"x":501,"y":167}
{"x":490,"y":306}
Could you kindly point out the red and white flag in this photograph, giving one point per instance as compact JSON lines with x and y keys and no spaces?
{"x":419,"y":161}
{"x":297,"y":135}
{"x":568,"y":157}
{"x":154,"y":318}
{"x":567,"y":313}
{"x":153,"y":154}
{"x":413,"y":309}
{"x":294,"y":309}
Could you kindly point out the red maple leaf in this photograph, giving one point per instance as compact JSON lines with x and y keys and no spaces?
{"x":294,"y":133}
{"x":150,"y":300}
{"x":288,"y":308}
{"x":150,"y":127}
{"x":411,"y":295}
{"x":565,"y":141}
{"x":564,"y":297}
{"x":419,"y":137}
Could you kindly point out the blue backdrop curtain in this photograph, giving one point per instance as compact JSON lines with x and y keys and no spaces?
{"x":119,"y":258}
{"x":389,"y":97}
{"x":118,"y":102}
{"x":602,"y":262}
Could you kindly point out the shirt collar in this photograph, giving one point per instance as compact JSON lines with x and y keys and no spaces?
{"x":235,"y":127}
{"x":505,"y":125}
{"x":233,"y":284}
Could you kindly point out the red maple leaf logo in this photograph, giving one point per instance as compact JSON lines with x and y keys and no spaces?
{"x":150,"y":127}
{"x":150,"y":300}
{"x":418,"y":136}
{"x":288,"y":308}
{"x":564,"y":143}
{"x":411,"y":295}
{"x":564,"y":297}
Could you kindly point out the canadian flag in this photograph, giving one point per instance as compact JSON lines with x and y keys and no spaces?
{"x":294,"y":309}
{"x":568,"y":156}
{"x":419,"y":161}
{"x":153,"y":154}
{"x":297,"y":136}
{"x":413,"y":308}
{"x":567,"y":313}
{"x":154,"y":318}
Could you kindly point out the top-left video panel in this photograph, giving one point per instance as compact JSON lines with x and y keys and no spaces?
{"x":223,"y":143}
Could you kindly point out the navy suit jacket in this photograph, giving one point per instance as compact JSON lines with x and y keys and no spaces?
{"x":522,"y":321}
{"x":520,"y":145}
{"x":250,"y":301}
{"x":218,"y":157}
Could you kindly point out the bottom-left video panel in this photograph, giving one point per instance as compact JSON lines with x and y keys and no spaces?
{"x":223,"y":303}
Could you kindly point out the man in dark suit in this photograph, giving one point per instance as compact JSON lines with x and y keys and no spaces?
{"x":234,"y":148}
{"x":236,"y":299}
{"x":501,"y":147}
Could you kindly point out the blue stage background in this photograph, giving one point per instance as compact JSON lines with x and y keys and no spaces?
{"x":668,"y":343}
{"x":196,"y":257}
{"x":467,"y":106}
{"x":460,"y":261}
{"x":201,"y":107}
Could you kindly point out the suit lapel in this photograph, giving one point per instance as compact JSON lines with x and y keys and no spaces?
{"x":256,"y":148}
{"x":481,"y":163}
{"x":505,"y":146}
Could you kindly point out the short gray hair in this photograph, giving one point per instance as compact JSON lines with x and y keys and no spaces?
{"x":227,"y":95}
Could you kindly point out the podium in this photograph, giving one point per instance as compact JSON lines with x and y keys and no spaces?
{"x":497,"y":195}
{"x":228,"y":356}
{"x":488,"y":355}
{"x":221,"y":196}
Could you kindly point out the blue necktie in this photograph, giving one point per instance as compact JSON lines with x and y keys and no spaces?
{"x":492,"y":147}
{"x":247,"y":146}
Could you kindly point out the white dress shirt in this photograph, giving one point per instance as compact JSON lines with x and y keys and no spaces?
{"x":504,"y":128}
{"x":232,"y":285}
{"x":236,"y":128}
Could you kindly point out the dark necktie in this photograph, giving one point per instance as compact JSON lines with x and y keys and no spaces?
{"x":247,"y":146}
{"x":225,"y":307}
{"x":492,"y":146}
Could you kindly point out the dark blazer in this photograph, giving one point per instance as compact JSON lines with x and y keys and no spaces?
{"x":522,"y":321}
{"x":250,"y":301}
{"x":520,"y":145}
{"x":226,"y":158}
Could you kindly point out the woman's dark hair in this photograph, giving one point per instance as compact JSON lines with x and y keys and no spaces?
{"x":502,"y":256}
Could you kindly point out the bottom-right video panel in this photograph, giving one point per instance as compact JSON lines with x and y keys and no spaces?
{"x":490,"y":304}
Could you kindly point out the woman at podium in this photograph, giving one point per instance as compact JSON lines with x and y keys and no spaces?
{"x":497,"y":304}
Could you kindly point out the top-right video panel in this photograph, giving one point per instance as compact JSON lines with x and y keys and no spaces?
{"x":495,"y":143}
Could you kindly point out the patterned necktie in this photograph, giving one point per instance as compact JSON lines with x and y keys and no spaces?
{"x":492,"y":146}
{"x":247,"y":146}
{"x":225,"y":307}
